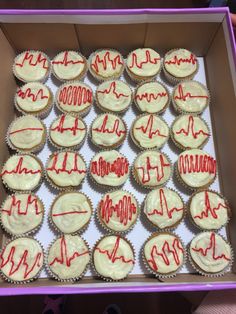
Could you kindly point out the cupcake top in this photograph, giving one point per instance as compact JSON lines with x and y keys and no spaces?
{"x":68,"y":257}
{"x":190,"y":96}
{"x":108,"y":130}
{"x":118,"y":210}
{"x":113,"y":257}
{"x":196,"y":168}
{"x":67,"y":131}
{"x":31,"y":66}
{"x":69,"y":65}
{"x":22,"y":172}
{"x":149,"y":131}
{"x":190,"y":131}
{"x":152,"y":169}
{"x":109,"y":168}
{"x":71,"y":211}
{"x":210,"y":253}
{"x":21,"y":259}
{"x":209,"y":210}
{"x":164,"y":208}
{"x":114,"y":96}
{"x":163,"y":253}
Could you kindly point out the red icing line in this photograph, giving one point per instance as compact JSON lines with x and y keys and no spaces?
{"x":25,"y":129}
{"x":64,"y":258}
{"x":112,"y":89}
{"x":61,"y":129}
{"x":211,"y":247}
{"x":102,"y":168}
{"x":67,"y":62}
{"x":75,"y":95}
{"x":17,"y":204}
{"x":112,"y":255}
{"x":177,"y":61}
{"x":197,"y":164}
{"x":182,"y":96}
{"x":63,"y":169}
{"x":134,"y":62}
{"x":28,"y":94}
{"x":19,"y":170}
{"x":29,"y":57}
{"x":148,"y":129}
{"x":150,"y":96}
{"x":190,"y":129}
{"x":70,"y":213}
{"x":105,"y":61}
{"x":115,"y":129}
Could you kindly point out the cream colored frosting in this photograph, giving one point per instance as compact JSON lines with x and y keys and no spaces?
{"x":66,"y":169}
{"x":118,"y":210}
{"x":163,"y":207}
{"x":215,"y":253}
{"x":113,"y":257}
{"x":71,"y":211}
{"x":21,"y":213}
{"x":144,"y":62}
{"x":150,"y":131}
{"x":108,"y":130}
{"x":114,"y":95}
{"x":26,"y":132}
{"x":180,"y":68}
{"x":29,"y":251}
{"x":152,"y":168}
{"x":67,"y":131}
{"x":191,"y":96}
{"x":164,"y":253}
{"x":68,"y":256}
{"x":151,"y":97}
{"x":196,"y":168}
{"x":109,"y":168}
{"x":22,"y":172}
{"x":208,"y":210}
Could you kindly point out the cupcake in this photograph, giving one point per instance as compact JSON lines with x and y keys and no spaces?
{"x":26,"y":134}
{"x":164,"y":208}
{"x":34,"y":98}
{"x":114,"y":96}
{"x":163,"y":254}
{"x":189,"y":131}
{"x":208,"y":210}
{"x":67,"y":131}
{"x":190,"y":97}
{"x":65,"y":169}
{"x":108,"y":131}
{"x":21,"y":260}
{"x":69,"y":65}
{"x":143,"y":64}
{"x":21,"y":213}
{"x":74,"y":97}
{"x":68,"y":258}
{"x":118,"y":211}
{"x":113,"y":258}
{"x":106,"y":64}
{"x":210,"y":254}
{"x":196,"y":169}
{"x":152,"y":97}
{"x":109,"y":168}
{"x":71,"y":211}
{"x":152,"y":169}
{"x":22,"y":172}
{"x":149,"y":131}
{"x":31,"y":66}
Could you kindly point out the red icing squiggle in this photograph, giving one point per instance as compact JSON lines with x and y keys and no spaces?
{"x":102,"y":168}
{"x":112,"y":90}
{"x":114,"y":130}
{"x":75,"y":95}
{"x":61,"y":129}
{"x":147,"y":60}
{"x":105,"y":61}
{"x":148,"y":129}
{"x":190,"y":129}
{"x":41,"y":60}
{"x":17,"y":204}
{"x":34,"y":97}
{"x":67,"y":62}
{"x":178,"y":61}
{"x":196,"y":164}
{"x":25,"y":129}
{"x":74,"y":169}
{"x":70,"y":213}
{"x":150,"y":96}
{"x":19,"y":169}
{"x":182,"y":96}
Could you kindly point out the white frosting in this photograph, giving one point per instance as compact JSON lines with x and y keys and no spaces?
{"x":106,"y":258}
{"x":68,"y":65}
{"x":67,"y":131}
{"x":213,"y":257}
{"x":71,"y":211}
{"x":61,"y":255}
{"x":151,"y":97}
{"x":108,"y":130}
{"x":150,"y":131}
{"x":163,"y":207}
{"x":26,"y":132}
{"x":153,"y":173}
{"x":180,"y":68}
{"x":196,"y":168}
{"x":114,"y":96}
{"x":144,"y":62}
{"x":164,"y":253}
{"x":21,"y":213}
{"x":208,"y":210}
{"x":29,"y":251}
{"x":25,"y":172}
{"x":118,"y":210}
{"x":61,"y":169}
